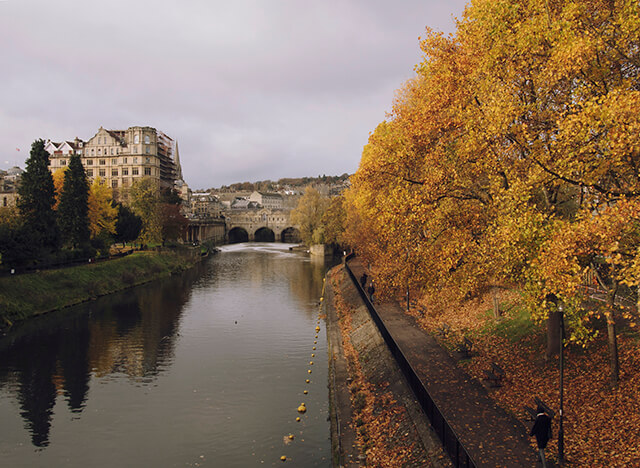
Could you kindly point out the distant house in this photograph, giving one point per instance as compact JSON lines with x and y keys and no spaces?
{"x":205,"y":205}
{"x":272,"y":201}
{"x":244,"y":204}
{"x":9,"y":181}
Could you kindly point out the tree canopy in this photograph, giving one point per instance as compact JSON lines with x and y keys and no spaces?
{"x":36,"y":200}
{"x":511,"y":158}
{"x":73,"y":209}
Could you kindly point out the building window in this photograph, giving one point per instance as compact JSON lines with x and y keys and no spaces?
{"x":102,"y":162}
{"x":134,"y":149}
{"x":125,"y":182}
{"x":114,"y":161}
{"x":147,"y":160}
{"x":136,"y":139}
{"x":89,"y":162}
{"x":125,"y":171}
{"x":99,"y":150}
{"x":114,"y":172}
{"x":89,"y":172}
{"x":135,"y":160}
{"x":147,"y":171}
{"x":102,"y":172}
{"x":92,"y":152}
{"x":114,"y":183}
{"x":147,"y":150}
{"x":146,"y":139}
{"x":4,"y":201}
{"x":134,"y":171}
{"x":63,"y":162}
{"x":111,"y":150}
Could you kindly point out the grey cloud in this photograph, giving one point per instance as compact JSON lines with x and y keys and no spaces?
{"x":251,"y":89}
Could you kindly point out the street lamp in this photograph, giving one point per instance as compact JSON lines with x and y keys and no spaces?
{"x":560,"y":428}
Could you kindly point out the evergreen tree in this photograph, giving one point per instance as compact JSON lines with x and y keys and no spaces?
{"x":128,"y":225}
{"x":73,"y":210}
{"x":36,"y":201}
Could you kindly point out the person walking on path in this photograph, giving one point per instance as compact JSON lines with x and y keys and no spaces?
{"x":371,"y":289}
{"x":363,"y":280}
{"x":542,"y":430}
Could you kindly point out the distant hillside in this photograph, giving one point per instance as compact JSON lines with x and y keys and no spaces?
{"x":284,"y":183}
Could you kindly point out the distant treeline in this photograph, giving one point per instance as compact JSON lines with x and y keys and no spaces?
{"x":287,"y":182}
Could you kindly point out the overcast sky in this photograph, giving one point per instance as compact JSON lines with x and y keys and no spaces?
{"x":250,"y":89}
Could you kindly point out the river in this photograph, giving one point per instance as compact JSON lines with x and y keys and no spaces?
{"x":206,"y":369}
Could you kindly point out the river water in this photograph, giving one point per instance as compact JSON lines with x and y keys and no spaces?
{"x":205,"y":369}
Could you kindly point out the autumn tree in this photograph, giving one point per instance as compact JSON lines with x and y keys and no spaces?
{"x":102,"y":212}
{"x":58,"y":183}
{"x":144,"y":199}
{"x":516,"y":141}
{"x":173,"y":223}
{"x":308,"y":215}
{"x":333,"y":221}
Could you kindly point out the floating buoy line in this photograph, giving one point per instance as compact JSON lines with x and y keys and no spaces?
{"x":302,"y":408}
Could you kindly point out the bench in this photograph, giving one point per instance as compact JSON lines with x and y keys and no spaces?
{"x":532,"y":412}
{"x":495,"y":375}
{"x":465,"y":347}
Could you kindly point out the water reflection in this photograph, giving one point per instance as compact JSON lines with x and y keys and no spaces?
{"x":133,"y":334}
{"x":208,"y":367}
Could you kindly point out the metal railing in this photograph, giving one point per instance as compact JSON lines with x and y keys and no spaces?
{"x":450,"y":440}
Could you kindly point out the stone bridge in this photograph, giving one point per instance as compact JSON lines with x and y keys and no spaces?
{"x":261,"y":225}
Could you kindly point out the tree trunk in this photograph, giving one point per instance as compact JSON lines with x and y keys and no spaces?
{"x":611,"y":335}
{"x":496,"y":303}
{"x":553,"y":333}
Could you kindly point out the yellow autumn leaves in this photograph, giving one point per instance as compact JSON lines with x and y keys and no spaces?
{"x":513,"y":157}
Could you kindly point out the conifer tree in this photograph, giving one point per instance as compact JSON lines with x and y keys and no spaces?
{"x":73,"y":210}
{"x":36,"y":201}
{"x":128,"y":225}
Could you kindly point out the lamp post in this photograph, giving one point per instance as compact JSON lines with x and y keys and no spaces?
{"x":407,"y":262}
{"x":560,"y":428}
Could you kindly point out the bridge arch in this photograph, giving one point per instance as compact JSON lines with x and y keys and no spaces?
{"x":264,"y":234}
{"x":237,"y":235}
{"x":290,"y":235}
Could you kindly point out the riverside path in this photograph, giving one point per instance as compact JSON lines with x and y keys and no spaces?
{"x":491,"y":437}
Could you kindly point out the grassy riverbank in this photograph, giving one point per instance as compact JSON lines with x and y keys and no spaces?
{"x":23,"y":296}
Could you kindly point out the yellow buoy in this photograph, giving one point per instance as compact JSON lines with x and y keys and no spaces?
{"x":291,"y":436}
{"x":305,"y":392}
{"x":297,"y":419}
{"x":311,"y":363}
{"x":309,"y":371}
{"x":314,"y":348}
{"x":302,"y":409}
{"x":283,"y":458}
{"x":307,"y":380}
{"x":313,"y":355}
{"x":317,"y":329}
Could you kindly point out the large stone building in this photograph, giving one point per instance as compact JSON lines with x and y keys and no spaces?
{"x":272,"y":201}
{"x":121,"y":156}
